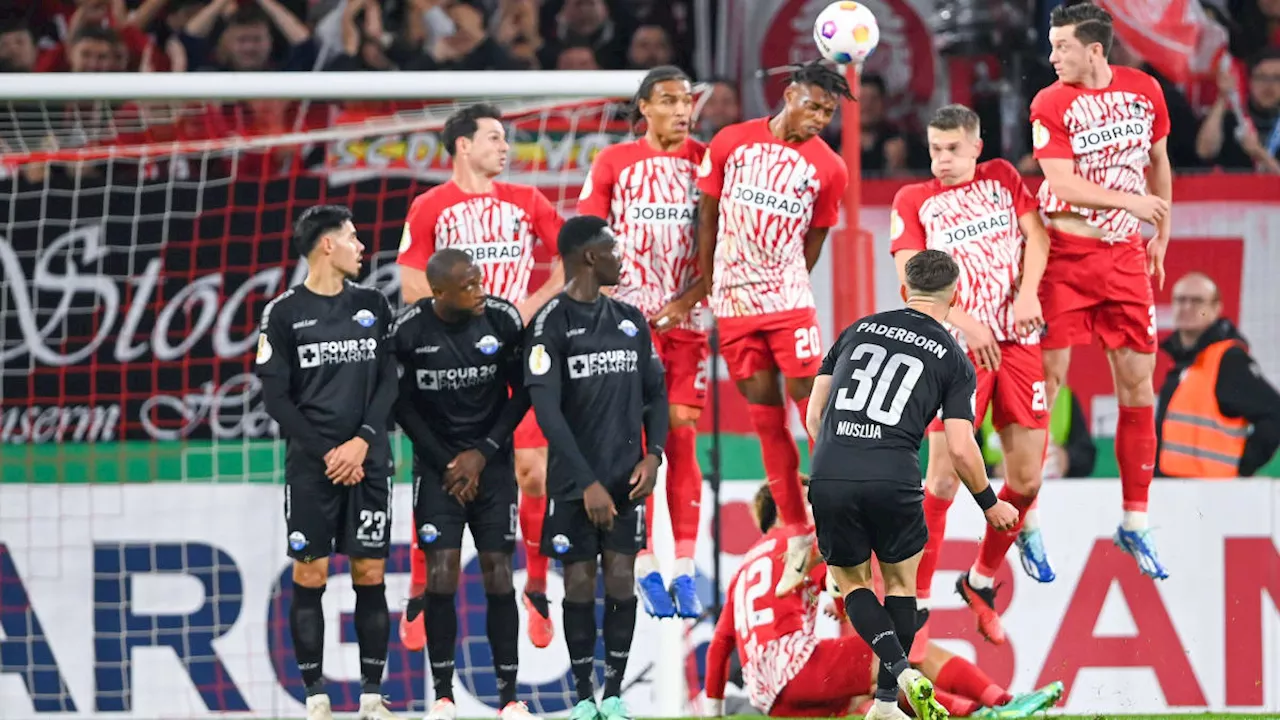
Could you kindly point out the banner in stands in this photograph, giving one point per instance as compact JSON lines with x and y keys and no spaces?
{"x":171,"y":600}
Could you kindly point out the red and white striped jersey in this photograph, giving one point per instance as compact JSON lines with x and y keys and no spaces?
{"x":775,"y":635}
{"x":1109,"y":133}
{"x":771,"y":193}
{"x":977,"y":224}
{"x":650,"y":199}
{"x":497,"y":229}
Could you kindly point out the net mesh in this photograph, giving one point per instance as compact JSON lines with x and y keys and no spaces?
{"x":141,"y":563}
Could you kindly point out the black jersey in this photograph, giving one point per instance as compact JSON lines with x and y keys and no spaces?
{"x":596,"y":384}
{"x":325,"y":371}
{"x":891,"y":372}
{"x":460,"y":377}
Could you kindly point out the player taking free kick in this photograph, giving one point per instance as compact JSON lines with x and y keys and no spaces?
{"x":1100,"y":134}
{"x":983,"y":216}
{"x":646,"y":190}
{"x":771,"y":189}
{"x":497,"y":224}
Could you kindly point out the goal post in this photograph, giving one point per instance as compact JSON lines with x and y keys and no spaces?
{"x":141,"y":532}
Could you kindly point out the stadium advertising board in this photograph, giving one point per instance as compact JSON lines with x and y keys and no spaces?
{"x":171,"y":600}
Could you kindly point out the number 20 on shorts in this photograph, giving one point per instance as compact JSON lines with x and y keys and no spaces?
{"x":808,"y":343}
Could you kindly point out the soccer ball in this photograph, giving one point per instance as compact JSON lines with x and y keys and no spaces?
{"x":846,"y":32}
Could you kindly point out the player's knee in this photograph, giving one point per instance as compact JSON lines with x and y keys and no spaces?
{"x":761,"y":389}
{"x":314,"y":574}
{"x":799,"y":388}
{"x":580,"y":582}
{"x":1024,"y":473}
{"x":496,"y":573}
{"x":685,"y":416}
{"x":442,"y":572}
{"x":942,"y":483}
{"x":620,"y":579}
{"x":367,"y":571}
{"x":531,"y":476}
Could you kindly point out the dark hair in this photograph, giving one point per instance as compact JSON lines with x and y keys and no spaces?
{"x":312,"y":224}
{"x":95,"y":32}
{"x":1092,"y":23}
{"x":662,"y":73}
{"x":766,"y":508}
{"x":442,"y":263}
{"x":577,"y":233}
{"x":822,"y":76}
{"x":931,"y":271}
{"x":1267,"y":55}
{"x":465,"y":123}
{"x":955,"y":117}
{"x":874,"y":81}
{"x":248,"y":15}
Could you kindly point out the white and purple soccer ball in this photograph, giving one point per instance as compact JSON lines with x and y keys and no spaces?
{"x":846,"y":32}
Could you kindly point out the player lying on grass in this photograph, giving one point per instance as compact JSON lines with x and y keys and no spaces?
{"x":789,"y":672}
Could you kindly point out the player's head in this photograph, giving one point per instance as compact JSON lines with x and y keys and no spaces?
{"x":932,"y":276}
{"x":764,"y":509}
{"x":475,"y":137}
{"x":1080,"y":36}
{"x":325,"y":235}
{"x":588,"y":246}
{"x":955,"y":142}
{"x":457,"y":285}
{"x":811,"y":99}
{"x":665,"y":102}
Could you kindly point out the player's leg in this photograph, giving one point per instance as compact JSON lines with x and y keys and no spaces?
{"x":568,"y":534}
{"x":531,"y":476}
{"x":440,"y":521}
{"x":413,"y":631}
{"x":313,"y":514}
{"x":838,"y":670}
{"x":619,"y":546}
{"x":366,"y":540}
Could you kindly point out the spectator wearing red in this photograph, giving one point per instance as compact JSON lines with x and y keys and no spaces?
{"x":67,"y":21}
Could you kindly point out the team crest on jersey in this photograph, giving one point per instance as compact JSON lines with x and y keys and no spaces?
{"x":628,"y":328}
{"x":406,"y":239}
{"x":539,"y":360}
{"x":264,"y":349}
{"x":365,"y":318}
{"x":488,"y":345}
{"x":297,"y":541}
{"x":896,"y":226}
{"x":429,"y":533}
{"x":1039,"y":135}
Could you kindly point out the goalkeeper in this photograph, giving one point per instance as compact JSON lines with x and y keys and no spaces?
{"x":330,"y":385}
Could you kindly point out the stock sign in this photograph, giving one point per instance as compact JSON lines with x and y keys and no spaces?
{"x":130,"y":310}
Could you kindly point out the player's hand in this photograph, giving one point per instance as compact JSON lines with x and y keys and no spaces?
{"x":1148,"y":208}
{"x":599,"y":505}
{"x":1002,"y":515}
{"x":1155,"y":259}
{"x":670,"y":316}
{"x":982,"y":343}
{"x":1028,"y":318}
{"x":344,"y":465}
{"x":644,"y":477}
{"x":462,"y":475}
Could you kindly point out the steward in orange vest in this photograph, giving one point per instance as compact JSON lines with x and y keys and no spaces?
{"x":1217,"y":416}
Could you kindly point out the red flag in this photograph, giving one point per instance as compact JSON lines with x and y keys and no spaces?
{"x":1176,"y":36}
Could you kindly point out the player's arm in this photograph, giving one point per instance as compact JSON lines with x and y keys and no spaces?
{"x":417,"y":243}
{"x":657,"y":417}
{"x":546,"y":225}
{"x":544,"y":373}
{"x":710,"y":185}
{"x":718,"y":653}
{"x":1027,"y":313}
{"x":378,"y":413}
{"x":826,"y":211}
{"x":425,"y":441}
{"x":517,"y":406}
{"x":274,"y":365}
{"x":966,"y":456}
{"x":1052,"y":149}
{"x":821,"y":391}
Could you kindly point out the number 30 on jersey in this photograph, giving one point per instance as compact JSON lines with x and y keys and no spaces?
{"x":875,"y":382}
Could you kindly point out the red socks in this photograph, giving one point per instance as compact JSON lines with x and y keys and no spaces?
{"x":803,"y":406}
{"x":956,"y":705}
{"x":935,"y":519}
{"x":684,"y":488}
{"x":1136,"y":454}
{"x":417,"y":570}
{"x":781,"y":462}
{"x":962,"y":677}
{"x":996,"y":543}
{"x":532,"y":512}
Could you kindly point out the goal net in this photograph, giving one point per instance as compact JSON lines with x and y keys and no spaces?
{"x":145,"y":225}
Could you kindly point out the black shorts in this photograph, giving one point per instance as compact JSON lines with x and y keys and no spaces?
{"x":856,"y":518}
{"x":323,"y":518}
{"x":492,"y":515}
{"x":569,"y":536}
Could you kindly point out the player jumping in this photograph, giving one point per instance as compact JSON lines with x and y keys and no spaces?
{"x":1100,"y":134}
{"x":771,"y":189}
{"x":497,"y":224}
{"x":827,"y":677}
{"x":330,"y":384}
{"x":980,"y":213}
{"x":646,"y":190}
{"x":885,"y":378}
{"x":461,"y":396}
{"x":596,"y":382}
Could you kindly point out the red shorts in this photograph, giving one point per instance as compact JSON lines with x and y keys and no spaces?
{"x":528,"y":435}
{"x":838,"y":671}
{"x":684,"y":356}
{"x":1015,"y":393}
{"x":788,"y":341}
{"x":1092,"y":289}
